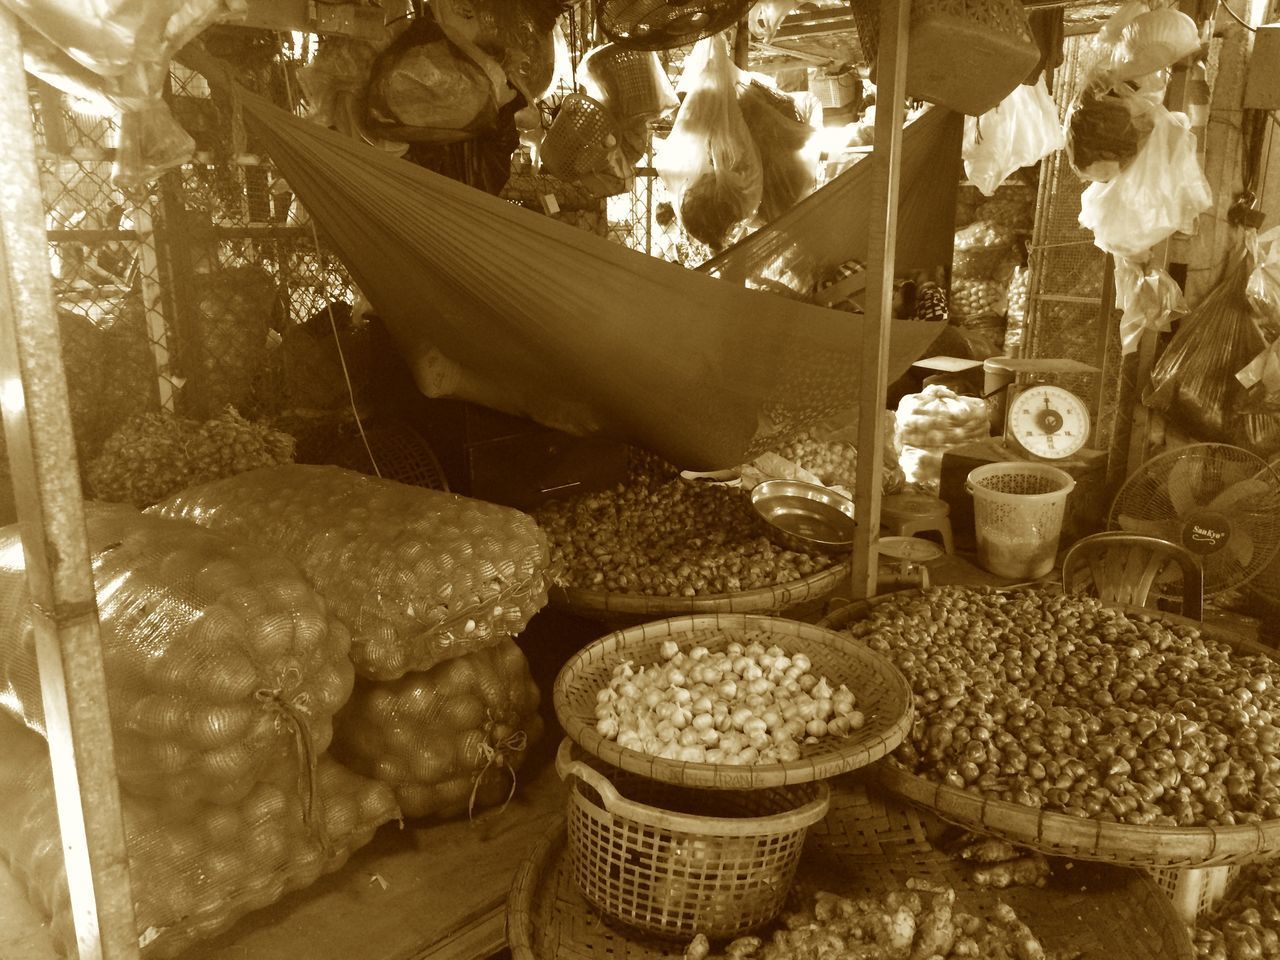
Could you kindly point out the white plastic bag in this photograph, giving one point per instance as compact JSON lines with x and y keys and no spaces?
{"x":1160,"y":193}
{"x":710,"y":162}
{"x":1263,"y":289}
{"x":1021,"y":130}
{"x":1147,"y":298}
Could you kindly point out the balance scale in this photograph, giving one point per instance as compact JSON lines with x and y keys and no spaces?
{"x":1042,"y":422}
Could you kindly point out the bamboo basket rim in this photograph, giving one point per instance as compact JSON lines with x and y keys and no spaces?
{"x":760,"y":600}
{"x":1084,"y":838}
{"x":537,"y":877}
{"x":888,"y":716}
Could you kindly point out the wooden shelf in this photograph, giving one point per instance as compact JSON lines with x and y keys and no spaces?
{"x":429,"y":892}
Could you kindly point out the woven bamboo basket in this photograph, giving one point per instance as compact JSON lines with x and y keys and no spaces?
{"x":582,"y":140}
{"x":1065,"y":835}
{"x":868,"y":844}
{"x":881,"y":691}
{"x":673,"y":861}
{"x":783,"y":597}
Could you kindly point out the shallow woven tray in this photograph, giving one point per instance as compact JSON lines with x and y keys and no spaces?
{"x":1065,"y":835}
{"x":867,"y":845}
{"x":881,"y":690}
{"x":775,"y":599}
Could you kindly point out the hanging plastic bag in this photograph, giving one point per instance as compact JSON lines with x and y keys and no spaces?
{"x":781,"y":135}
{"x":1194,"y":383}
{"x":1261,"y":381}
{"x":517,"y":34}
{"x":766,"y":17}
{"x":1106,"y":127}
{"x":709,"y":162}
{"x":1160,"y":193}
{"x":1147,"y":298}
{"x":1263,"y":289}
{"x":340,"y":69}
{"x":424,"y":89}
{"x":1021,"y":131}
{"x":1110,"y":120}
{"x":119,"y":52}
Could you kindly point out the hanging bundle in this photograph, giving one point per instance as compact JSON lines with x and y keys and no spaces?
{"x":781,"y":133}
{"x":1195,"y":384}
{"x":423,"y":88}
{"x":710,"y":162}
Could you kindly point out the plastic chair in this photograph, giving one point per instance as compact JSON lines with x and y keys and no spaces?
{"x":1123,"y":567}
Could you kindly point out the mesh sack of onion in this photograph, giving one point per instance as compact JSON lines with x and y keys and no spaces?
{"x":448,"y":740}
{"x":223,"y":666}
{"x":194,"y":874}
{"x":418,"y":575}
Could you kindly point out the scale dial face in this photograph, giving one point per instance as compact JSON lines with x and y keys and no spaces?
{"x":1047,"y":421}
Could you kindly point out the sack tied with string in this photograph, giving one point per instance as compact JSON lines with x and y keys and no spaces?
{"x":193,"y":875}
{"x":223,"y":666}
{"x":418,"y":575}
{"x":448,"y":740}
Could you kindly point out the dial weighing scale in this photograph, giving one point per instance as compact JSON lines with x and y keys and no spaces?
{"x":1042,"y":420}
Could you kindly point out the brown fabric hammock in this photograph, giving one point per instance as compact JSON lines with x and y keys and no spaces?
{"x":494,"y":303}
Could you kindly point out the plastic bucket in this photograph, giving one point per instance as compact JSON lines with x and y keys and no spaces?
{"x":1017,"y":516}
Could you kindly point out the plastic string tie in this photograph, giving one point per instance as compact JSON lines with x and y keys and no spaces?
{"x":295,"y":713}
{"x":497,"y":755}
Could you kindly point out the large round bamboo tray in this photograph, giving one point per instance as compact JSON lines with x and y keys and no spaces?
{"x":867,"y":845}
{"x":603,"y":605}
{"x":881,"y":690}
{"x":1065,"y":835}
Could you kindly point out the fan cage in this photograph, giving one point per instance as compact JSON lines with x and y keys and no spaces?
{"x":1177,"y":491}
{"x":658,"y":25}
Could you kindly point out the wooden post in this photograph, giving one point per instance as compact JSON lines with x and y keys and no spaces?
{"x":1207,"y":251}
{"x":873,"y":372}
{"x":46,"y":481}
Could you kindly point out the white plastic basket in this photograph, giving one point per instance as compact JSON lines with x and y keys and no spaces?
{"x":1195,"y":892}
{"x":1017,"y":516}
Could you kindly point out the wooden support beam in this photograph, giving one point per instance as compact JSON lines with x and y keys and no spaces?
{"x":46,"y":481}
{"x":873,"y":372}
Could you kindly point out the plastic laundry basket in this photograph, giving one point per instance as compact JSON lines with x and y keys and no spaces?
{"x":676,"y":861}
{"x":1017,"y":516}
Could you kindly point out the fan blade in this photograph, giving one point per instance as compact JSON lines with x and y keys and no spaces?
{"x":1182,"y":484}
{"x":1239,"y":547}
{"x":1243,"y":490}
{"x":1161,"y":530}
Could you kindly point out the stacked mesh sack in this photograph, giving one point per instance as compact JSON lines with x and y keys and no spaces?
{"x":191,"y":877}
{"x":224,"y":670}
{"x":433,"y":586}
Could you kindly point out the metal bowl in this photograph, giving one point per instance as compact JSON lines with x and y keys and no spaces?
{"x":805,"y":516}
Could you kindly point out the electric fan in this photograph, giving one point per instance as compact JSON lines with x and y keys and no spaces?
{"x":1220,"y":502}
{"x":1265,"y":587}
{"x":663,"y":24}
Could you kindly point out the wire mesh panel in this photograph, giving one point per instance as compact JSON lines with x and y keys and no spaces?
{"x":1066,"y":316}
{"x":104,"y":273}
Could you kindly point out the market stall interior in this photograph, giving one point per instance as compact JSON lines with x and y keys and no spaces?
{"x":559,"y":478}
